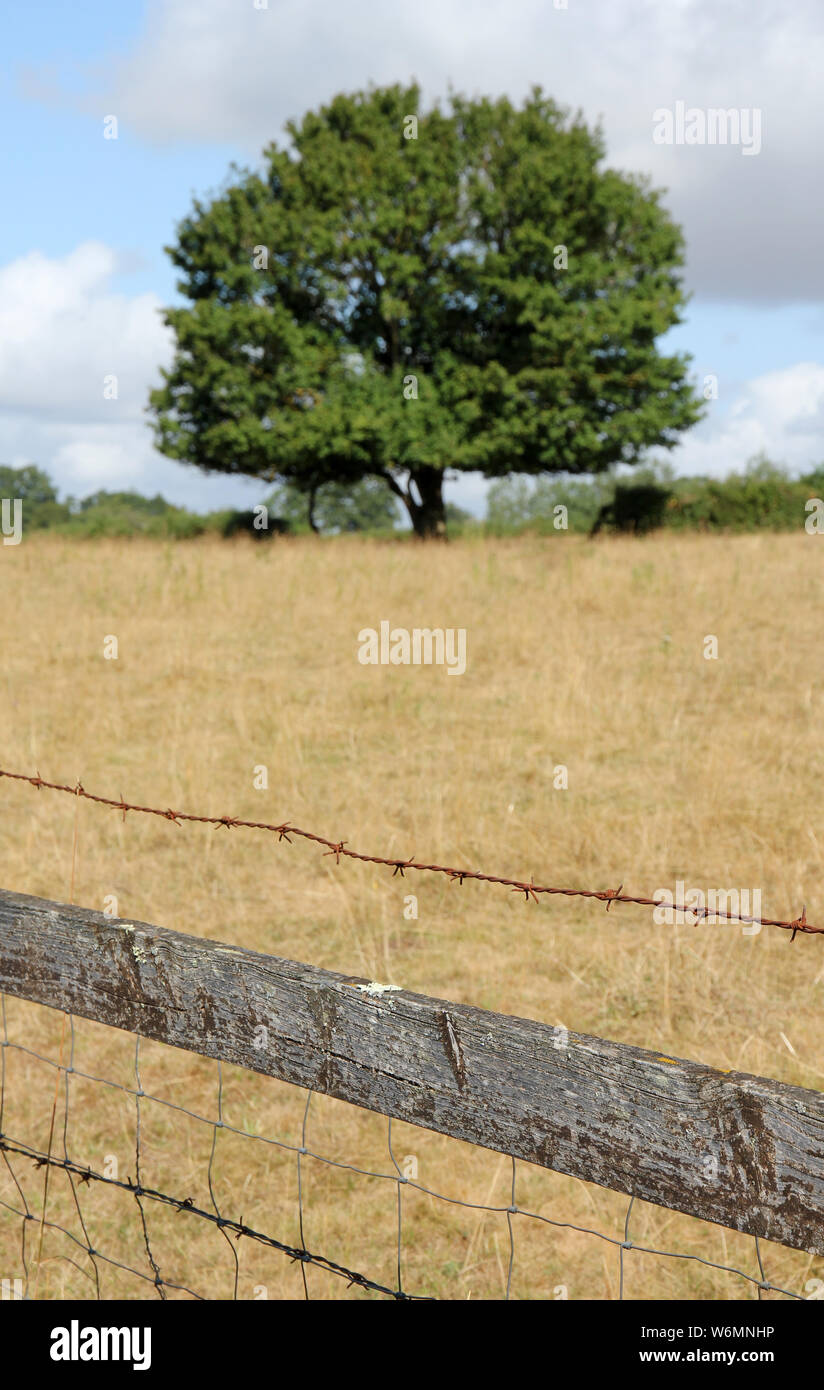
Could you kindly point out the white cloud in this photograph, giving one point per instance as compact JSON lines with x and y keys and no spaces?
{"x":118,"y":456}
{"x":62,"y":331}
{"x":781,"y":413}
{"x":220,"y":71}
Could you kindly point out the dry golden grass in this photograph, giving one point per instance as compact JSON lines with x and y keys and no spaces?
{"x":586,"y":654}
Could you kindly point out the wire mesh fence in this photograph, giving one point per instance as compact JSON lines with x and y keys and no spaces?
{"x":45,"y":1228}
{"x":95,"y":1199}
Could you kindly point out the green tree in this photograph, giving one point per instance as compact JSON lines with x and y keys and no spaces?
{"x":513,"y":504}
{"x":385,"y":299}
{"x":125,"y":502}
{"x":29,"y":483}
{"x":456,"y":515}
{"x":364,"y":506}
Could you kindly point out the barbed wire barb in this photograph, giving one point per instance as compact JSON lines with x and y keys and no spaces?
{"x":399,"y":866}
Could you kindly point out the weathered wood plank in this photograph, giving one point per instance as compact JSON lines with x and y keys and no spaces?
{"x":735,"y":1149}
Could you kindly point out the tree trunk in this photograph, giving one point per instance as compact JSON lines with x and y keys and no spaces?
{"x":428,"y":516}
{"x":311,"y":511}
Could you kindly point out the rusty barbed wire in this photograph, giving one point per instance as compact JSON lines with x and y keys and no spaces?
{"x":339,"y":849}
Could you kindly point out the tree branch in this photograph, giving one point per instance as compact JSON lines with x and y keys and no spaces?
{"x":395,"y":486}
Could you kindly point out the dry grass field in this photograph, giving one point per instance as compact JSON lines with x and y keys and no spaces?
{"x":587,"y":654}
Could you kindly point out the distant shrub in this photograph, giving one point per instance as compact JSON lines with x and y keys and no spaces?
{"x":243,"y":523}
{"x":39,"y":516}
{"x":513,"y":505}
{"x":29,"y":483}
{"x":814,"y":481}
{"x":635,"y":508}
{"x":763,"y":497}
{"x":180,"y":525}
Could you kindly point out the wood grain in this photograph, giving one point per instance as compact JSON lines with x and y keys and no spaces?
{"x":735,"y":1149}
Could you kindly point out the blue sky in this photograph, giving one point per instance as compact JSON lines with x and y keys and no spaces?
{"x":197,"y":84}
{"x":71,"y":185}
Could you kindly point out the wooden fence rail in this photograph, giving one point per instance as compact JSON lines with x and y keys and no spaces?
{"x":739,"y":1150}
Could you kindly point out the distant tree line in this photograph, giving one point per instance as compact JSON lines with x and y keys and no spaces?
{"x":763,"y":495}
{"x":334,"y":509}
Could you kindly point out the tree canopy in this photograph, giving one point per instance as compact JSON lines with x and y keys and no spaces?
{"x":28,"y":482}
{"x":402,"y":292}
